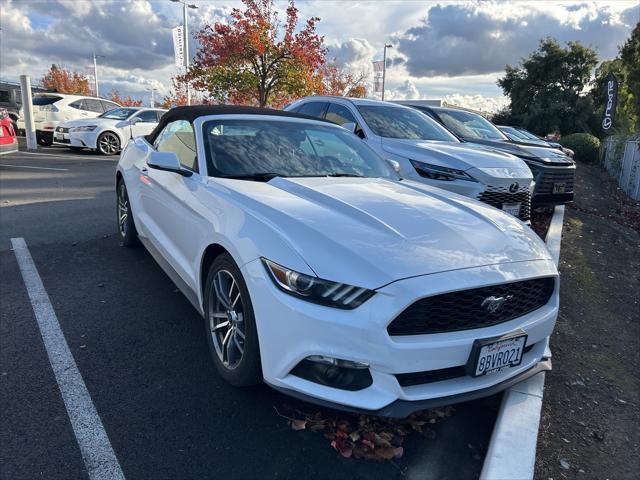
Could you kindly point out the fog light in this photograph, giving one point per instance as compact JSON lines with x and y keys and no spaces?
{"x":334,"y":372}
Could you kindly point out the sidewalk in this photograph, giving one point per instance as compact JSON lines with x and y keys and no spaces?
{"x":592,"y":397}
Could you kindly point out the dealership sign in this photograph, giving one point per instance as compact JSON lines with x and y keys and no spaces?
{"x":178,"y":46}
{"x":612,"y":98}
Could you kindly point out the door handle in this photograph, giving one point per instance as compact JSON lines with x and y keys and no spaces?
{"x":144,"y":170}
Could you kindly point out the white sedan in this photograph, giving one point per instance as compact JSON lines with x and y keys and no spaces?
{"x":108,"y":132}
{"x":320,"y":272}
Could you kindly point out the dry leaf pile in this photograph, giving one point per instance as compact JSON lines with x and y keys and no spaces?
{"x":364,"y":436}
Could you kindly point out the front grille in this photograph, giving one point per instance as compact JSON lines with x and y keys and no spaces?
{"x":63,"y":140}
{"x":464,"y":310}
{"x":497,"y":196}
{"x":432,"y":376}
{"x":545,"y":185}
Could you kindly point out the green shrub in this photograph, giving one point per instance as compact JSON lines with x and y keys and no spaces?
{"x":585,"y":146}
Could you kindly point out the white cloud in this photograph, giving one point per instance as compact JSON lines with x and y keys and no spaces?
{"x":477,"y":102}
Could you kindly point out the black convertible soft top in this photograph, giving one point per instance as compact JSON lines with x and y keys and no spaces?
{"x":190,"y":113}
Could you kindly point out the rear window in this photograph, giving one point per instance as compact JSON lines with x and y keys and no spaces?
{"x":45,"y":100}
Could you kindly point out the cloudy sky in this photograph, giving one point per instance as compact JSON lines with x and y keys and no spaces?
{"x":441,"y":49}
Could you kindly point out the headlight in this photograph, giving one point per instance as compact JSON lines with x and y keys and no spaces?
{"x":317,"y":290}
{"x":87,"y":128}
{"x":436,"y":172}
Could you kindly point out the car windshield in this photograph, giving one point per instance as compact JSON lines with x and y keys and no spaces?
{"x":512,"y":131}
{"x":45,"y":99}
{"x":405,"y":123}
{"x":119,"y":113}
{"x":470,"y":125}
{"x":263,"y":149}
{"x":528,"y":134}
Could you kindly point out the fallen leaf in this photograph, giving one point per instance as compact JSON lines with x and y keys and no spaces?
{"x":298,"y":424}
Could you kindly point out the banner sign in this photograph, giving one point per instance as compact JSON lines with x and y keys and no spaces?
{"x":378,"y":68}
{"x":611,"y":89}
{"x":178,"y":46}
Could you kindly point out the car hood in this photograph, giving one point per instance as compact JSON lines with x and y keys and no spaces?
{"x":448,"y":154}
{"x":80,"y":122}
{"x":370,"y":232}
{"x":549,"y":155}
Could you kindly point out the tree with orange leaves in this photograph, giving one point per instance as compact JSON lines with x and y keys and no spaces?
{"x":341,"y":82}
{"x":63,"y":80}
{"x":127,"y":101}
{"x":177,"y":96}
{"x":256,"y":59}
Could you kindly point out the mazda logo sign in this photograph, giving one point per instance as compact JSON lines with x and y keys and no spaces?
{"x":514,"y":187}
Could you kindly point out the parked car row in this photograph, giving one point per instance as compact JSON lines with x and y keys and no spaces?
{"x":553,"y":171}
{"x":51,"y":109}
{"x":330,"y":266}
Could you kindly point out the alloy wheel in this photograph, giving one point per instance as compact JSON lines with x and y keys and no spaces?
{"x":226,"y":319}
{"x":109,"y":143}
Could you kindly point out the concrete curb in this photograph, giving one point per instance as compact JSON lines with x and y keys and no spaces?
{"x":512,"y":449}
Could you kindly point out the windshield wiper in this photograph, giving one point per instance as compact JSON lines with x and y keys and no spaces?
{"x":261,"y":176}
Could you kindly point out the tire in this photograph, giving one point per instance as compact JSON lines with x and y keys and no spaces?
{"x":239,"y":363}
{"x":108,"y":143}
{"x":45,"y":139}
{"x":126,"y":226}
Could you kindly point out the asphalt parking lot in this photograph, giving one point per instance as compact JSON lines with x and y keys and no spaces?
{"x":141,"y":350}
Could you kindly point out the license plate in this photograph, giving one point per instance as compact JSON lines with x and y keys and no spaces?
{"x":61,"y":136}
{"x":492,"y":355}
{"x":558,"y":187}
{"x":511,"y":208}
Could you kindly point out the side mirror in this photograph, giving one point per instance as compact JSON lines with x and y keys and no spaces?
{"x":168,"y":162}
{"x":350,"y":126}
{"x":395,"y":165}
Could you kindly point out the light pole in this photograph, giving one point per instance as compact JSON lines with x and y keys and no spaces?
{"x":95,"y":71}
{"x":185,"y":43}
{"x":153,"y":97}
{"x":384,"y":66}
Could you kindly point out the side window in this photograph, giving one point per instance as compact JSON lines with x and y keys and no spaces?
{"x":78,"y":105}
{"x":148,"y":116}
{"x":313,"y":109}
{"x":340,"y":114}
{"x":108,"y":105}
{"x":178,"y":137}
{"x":93,"y":105}
{"x":159,"y":115}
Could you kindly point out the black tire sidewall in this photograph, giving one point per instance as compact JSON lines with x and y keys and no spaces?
{"x":249,"y":371}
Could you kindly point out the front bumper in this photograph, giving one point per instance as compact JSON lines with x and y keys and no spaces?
{"x":554,"y":184}
{"x":76,"y":139}
{"x":404,"y":408}
{"x":290,"y":330}
{"x":513,"y":187}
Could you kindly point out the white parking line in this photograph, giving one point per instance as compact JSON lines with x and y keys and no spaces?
{"x":98,"y":455}
{"x":35,"y":168}
{"x":42,"y":154}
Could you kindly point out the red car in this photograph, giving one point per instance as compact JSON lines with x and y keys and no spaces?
{"x":8,"y":140}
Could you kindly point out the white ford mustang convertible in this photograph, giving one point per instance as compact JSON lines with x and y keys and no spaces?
{"x":320,"y":272}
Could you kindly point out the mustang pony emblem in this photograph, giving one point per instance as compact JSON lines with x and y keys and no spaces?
{"x":492,"y":304}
